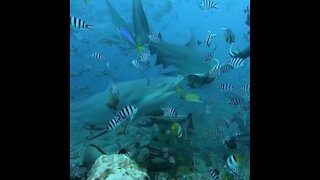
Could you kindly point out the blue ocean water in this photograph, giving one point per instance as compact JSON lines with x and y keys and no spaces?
{"x":214,"y":118}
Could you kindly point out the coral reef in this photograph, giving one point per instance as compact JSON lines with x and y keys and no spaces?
{"x":116,"y":166}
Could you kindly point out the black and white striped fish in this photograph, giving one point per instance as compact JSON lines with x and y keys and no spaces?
{"x":114,"y":89}
{"x":137,"y":64}
{"x":115,"y":122}
{"x":208,"y":57}
{"x":97,"y":55}
{"x":78,"y":23}
{"x":236,"y":62}
{"x":225,"y":68}
{"x":209,"y":39}
{"x":238,"y":114}
{"x":207,"y":4}
{"x":245,"y":89}
{"x":131,"y":152}
{"x":144,"y":57}
{"x":128,"y":111}
{"x":226,"y":87}
{"x":169,"y":111}
{"x":154,"y":37}
{"x":165,"y":149}
{"x":214,"y":174}
{"x":236,"y":101}
{"x":171,"y":159}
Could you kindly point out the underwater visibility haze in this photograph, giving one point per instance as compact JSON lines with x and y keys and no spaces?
{"x":160,"y":89}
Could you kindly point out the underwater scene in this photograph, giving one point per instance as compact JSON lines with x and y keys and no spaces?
{"x":160,"y":89}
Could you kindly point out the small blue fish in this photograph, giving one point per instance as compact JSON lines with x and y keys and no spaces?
{"x":129,"y":37}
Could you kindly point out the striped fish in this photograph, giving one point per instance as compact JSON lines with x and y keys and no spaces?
{"x":131,"y":152}
{"x":128,"y":111}
{"x":235,"y":101}
{"x":172,"y":160}
{"x":169,"y":111}
{"x":207,"y":4}
{"x":144,"y":57}
{"x":154,"y":37}
{"x":139,"y":65}
{"x":245,"y":89}
{"x":214,"y":174}
{"x":165,"y":149}
{"x":226,"y":87}
{"x":208,"y":57}
{"x":236,"y":62}
{"x":114,"y":123}
{"x":97,"y":55}
{"x":225,"y":68}
{"x":78,"y":23}
{"x":238,"y":114}
{"x":114,"y":89}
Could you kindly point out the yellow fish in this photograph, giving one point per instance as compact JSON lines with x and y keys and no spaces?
{"x":180,"y":92}
{"x":193,"y":98}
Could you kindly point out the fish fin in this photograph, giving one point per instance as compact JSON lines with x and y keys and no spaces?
{"x":189,"y":118}
{"x":192,"y":40}
{"x":172,"y":73}
{"x":199,"y":42}
{"x":88,"y":26}
{"x":161,"y":60}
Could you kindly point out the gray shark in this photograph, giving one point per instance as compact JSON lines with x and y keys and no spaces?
{"x":186,"y":58}
{"x":149,"y":99}
{"x":140,"y":23}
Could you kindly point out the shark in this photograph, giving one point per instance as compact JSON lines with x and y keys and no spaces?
{"x":148,"y":98}
{"x":185,"y":58}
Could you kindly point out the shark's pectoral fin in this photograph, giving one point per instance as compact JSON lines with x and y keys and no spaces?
{"x":192,"y":41}
{"x":161,"y":60}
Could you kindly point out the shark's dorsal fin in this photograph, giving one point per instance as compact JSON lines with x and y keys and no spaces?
{"x":192,"y":41}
